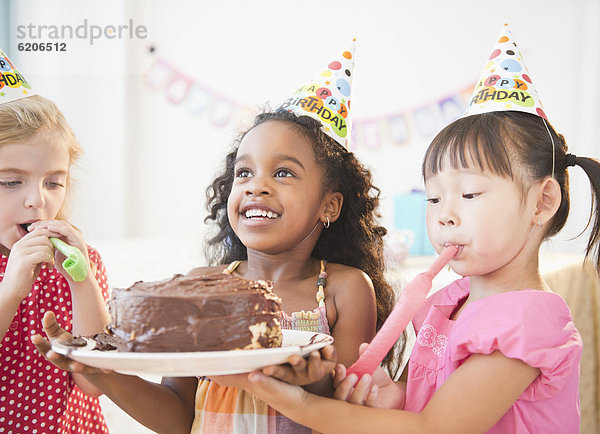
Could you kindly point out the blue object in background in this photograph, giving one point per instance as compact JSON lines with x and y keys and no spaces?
{"x":409,"y":213}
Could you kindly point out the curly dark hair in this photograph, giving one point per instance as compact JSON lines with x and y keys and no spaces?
{"x":354,"y":240}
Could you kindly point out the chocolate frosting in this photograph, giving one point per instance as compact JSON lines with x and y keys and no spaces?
{"x":196,"y":313}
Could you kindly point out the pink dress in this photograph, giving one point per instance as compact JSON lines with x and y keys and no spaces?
{"x":35,"y":396}
{"x":533,"y":326}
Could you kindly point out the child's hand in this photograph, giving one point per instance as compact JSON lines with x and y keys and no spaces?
{"x":25,"y":260}
{"x":378,"y":390}
{"x":296,"y":371}
{"x":301,"y":371}
{"x":56,"y":333}
{"x":239,"y":381}
{"x":277,"y":394}
{"x":63,"y":230}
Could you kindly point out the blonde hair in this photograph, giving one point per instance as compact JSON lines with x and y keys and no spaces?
{"x":27,"y":117}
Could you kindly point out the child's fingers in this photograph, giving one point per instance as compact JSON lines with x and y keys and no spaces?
{"x":299,"y":366}
{"x":344,"y":389}
{"x":45,"y":348}
{"x":319,"y":367}
{"x":371,"y":400}
{"x":294,"y":367}
{"x":362,"y":348}
{"x":277,"y":393}
{"x":35,"y":243}
{"x":297,"y":363}
{"x":38,"y":256}
{"x":28,"y":255}
{"x":43,"y":235}
{"x":282,"y":372}
{"x":262,"y":385}
{"x":42,"y":345}
{"x":57,"y":225}
{"x":62,"y":229}
{"x":329,"y":353}
{"x":361,"y":390}
{"x":339,"y":374}
{"x":36,"y":238}
{"x":63,"y":362}
{"x":53,"y":329}
{"x":40,"y":232}
{"x":314,"y":366}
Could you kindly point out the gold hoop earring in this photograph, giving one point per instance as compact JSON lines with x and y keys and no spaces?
{"x":327,"y":224}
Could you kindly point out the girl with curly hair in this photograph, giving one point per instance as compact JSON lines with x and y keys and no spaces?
{"x":291,"y":206}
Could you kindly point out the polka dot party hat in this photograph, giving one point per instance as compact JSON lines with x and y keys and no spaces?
{"x":505,"y":83}
{"x":12,"y":83}
{"x":326,"y":97}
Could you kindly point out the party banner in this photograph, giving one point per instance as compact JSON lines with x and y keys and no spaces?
{"x":399,"y":128}
{"x":199,"y":99}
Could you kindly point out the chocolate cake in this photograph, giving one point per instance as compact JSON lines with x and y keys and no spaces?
{"x":98,"y":342}
{"x":195,"y":313}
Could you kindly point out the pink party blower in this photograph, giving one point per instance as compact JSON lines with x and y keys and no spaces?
{"x":413,"y":298}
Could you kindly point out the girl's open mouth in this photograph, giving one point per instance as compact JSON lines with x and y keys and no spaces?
{"x":24,"y":228}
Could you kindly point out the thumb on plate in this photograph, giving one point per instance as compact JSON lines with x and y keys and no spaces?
{"x":53,"y":329}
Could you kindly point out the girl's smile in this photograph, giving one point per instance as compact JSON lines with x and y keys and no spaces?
{"x":277,"y":188}
{"x":258,"y":214}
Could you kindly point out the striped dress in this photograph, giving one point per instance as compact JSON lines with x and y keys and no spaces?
{"x":228,"y":410}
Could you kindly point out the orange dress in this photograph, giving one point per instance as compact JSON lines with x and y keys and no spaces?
{"x":228,"y":410}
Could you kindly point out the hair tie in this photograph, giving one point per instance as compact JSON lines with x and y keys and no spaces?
{"x":570,"y":160}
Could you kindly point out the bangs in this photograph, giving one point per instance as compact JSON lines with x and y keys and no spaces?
{"x":475,"y":142}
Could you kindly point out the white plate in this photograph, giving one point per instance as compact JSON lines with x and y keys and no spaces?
{"x":197,"y":363}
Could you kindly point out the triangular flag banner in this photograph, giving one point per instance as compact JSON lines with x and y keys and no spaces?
{"x":505,"y":83}
{"x":326,"y":97}
{"x":12,"y":83}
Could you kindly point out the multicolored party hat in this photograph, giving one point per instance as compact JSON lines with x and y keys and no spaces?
{"x":505,"y":83}
{"x":12,"y":83}
{"x":326,"y":97}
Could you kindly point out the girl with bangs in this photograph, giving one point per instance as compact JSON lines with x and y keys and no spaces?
{"x":496,"y":351}
{"x":37,"y":150}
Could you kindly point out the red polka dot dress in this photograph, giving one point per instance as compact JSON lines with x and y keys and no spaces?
{"x":35,"y":396}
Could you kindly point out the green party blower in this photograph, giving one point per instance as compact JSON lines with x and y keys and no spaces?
{"x":75,"y":264}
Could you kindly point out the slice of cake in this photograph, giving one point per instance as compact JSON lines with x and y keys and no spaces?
{"x":214,"y":312}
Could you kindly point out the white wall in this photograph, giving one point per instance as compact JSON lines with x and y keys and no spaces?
{"x":88,"y":84}
{"x":147,"y":161}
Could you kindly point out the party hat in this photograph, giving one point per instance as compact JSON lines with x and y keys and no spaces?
{"x":12,"y":83}
{"x":505,"y":83}
{"x":326,"y":97}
